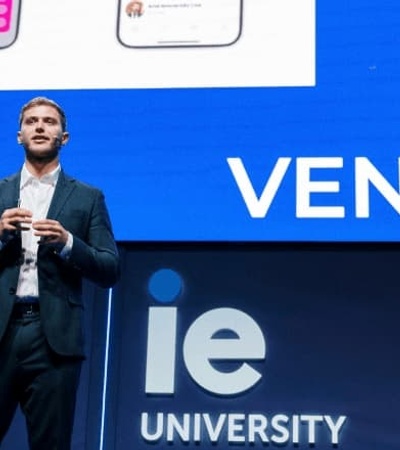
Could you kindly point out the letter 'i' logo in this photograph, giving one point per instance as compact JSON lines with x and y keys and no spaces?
{"x":201,"y":346}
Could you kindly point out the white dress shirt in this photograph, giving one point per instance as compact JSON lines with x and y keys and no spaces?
{"x":35,"y":195}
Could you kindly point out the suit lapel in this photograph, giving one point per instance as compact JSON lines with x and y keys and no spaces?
{"x":10,"y":192}
{"x":65,"y":186}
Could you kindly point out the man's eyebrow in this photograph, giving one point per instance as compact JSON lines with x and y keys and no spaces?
{"x":30,"y":117}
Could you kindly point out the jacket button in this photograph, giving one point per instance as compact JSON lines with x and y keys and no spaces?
{"x":12,"y":291}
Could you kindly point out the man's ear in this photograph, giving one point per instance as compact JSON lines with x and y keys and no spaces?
{"x":64,"y":138}
{"x":19,"y":138}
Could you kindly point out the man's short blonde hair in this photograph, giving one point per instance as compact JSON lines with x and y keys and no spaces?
{"x":38,"y":101}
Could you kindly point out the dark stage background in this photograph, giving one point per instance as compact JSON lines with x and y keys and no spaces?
{"x":329,"y":315}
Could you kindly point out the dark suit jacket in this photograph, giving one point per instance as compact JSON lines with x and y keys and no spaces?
{"x":82,"y":211}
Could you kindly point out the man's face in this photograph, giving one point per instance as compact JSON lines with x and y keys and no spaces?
{"x":41,"y":133}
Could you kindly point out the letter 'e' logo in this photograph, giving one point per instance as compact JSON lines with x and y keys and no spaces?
{"x":201,"y":346}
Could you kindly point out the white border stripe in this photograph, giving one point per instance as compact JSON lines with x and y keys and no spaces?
{"x":106,"y":354}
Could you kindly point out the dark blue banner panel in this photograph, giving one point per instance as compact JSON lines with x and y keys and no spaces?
{"x":254,"y":347}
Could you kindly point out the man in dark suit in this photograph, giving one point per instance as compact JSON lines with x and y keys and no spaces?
{"x":54,"y":231}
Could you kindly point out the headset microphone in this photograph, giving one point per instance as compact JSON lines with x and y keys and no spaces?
{"x":57,"y":140}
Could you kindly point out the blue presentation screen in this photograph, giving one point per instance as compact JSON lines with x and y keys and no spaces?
{"x":247,"y":120}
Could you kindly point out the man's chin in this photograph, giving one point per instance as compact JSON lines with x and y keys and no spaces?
{"x":41,"y":155}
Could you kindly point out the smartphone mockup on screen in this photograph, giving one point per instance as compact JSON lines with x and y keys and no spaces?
{"x":179,"y":23}
{"x":9,"y":21}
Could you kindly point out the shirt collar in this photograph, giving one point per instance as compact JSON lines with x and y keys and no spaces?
{"x":49,"y":178}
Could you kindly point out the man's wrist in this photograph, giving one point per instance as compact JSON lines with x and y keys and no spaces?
{"x":65,"y":252}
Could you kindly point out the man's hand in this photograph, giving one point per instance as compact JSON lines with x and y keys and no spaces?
{"x":50,"y":232}
{"x":12,"y":220}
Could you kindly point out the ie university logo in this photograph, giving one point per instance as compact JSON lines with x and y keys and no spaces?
{"x":200,"y":344}
{"x":216,"y":335}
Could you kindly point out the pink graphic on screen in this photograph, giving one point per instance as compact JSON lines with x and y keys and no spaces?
{"x":5,"y":15}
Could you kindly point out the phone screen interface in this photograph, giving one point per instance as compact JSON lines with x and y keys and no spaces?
{"x":179,"y":22}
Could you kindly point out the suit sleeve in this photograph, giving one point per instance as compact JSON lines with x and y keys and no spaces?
{"x":96,"y":256}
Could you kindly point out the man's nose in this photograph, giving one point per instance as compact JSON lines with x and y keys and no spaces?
{"x":39,"y":125}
